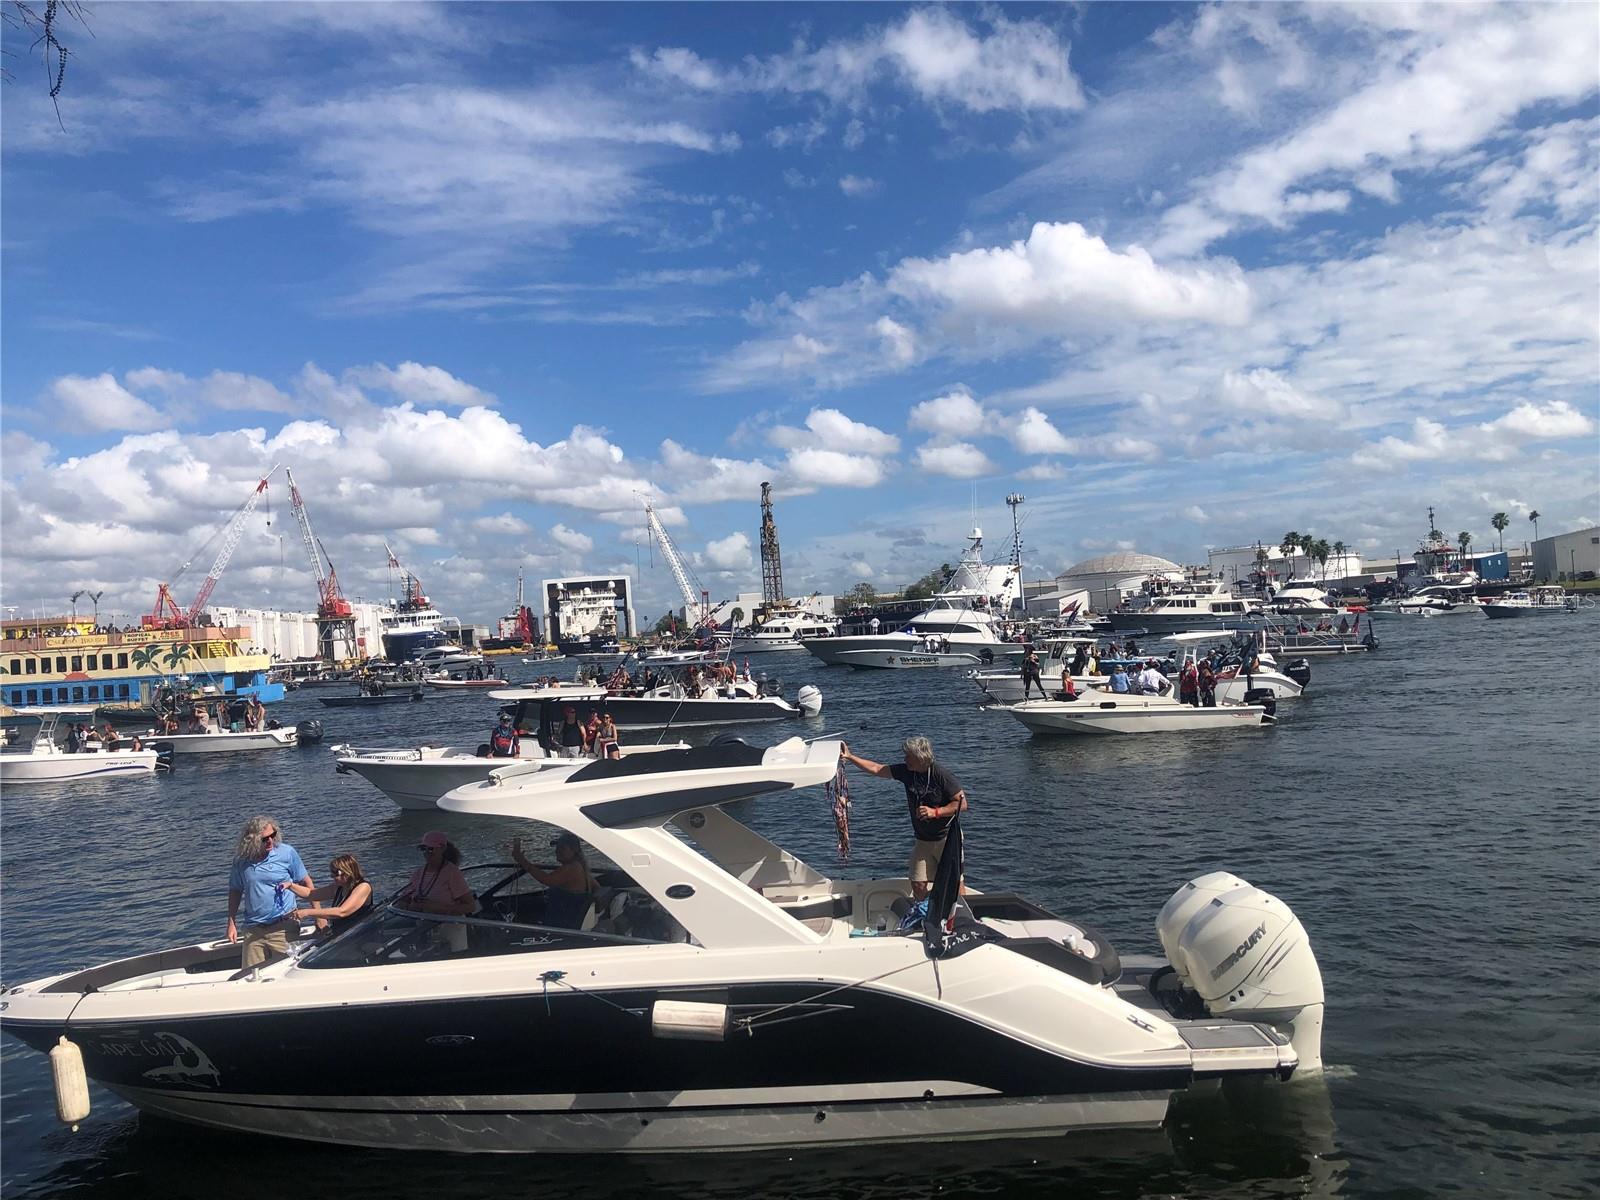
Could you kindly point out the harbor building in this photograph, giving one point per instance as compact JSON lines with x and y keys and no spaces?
{"x":1567,"y":557}
{"x":1234,"y":565}
{"x":583,"y":610}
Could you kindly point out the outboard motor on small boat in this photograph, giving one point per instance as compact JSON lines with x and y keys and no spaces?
{"x":1299,"y":670}
{"x":1240,"y":952}
{"x":809,"y":699}
{"x":1266,"y":697}
{"x":308,"y":732}
{"x":166,"y":756}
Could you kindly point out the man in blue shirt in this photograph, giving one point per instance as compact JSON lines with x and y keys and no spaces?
{"x":260,"y":904}
{"x":1119,"y":679}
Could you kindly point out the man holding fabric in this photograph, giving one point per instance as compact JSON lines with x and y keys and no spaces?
{"x":934,"y":797}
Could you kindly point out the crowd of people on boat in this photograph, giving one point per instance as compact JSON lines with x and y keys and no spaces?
{"x":595,"y":737}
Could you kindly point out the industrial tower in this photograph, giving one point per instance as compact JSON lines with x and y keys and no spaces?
{"x":771,"y":563}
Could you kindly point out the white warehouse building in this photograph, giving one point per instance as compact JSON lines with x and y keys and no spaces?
{"x":1567,"y":556}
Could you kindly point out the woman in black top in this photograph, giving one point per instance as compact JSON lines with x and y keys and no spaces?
{"x":349,"y":895}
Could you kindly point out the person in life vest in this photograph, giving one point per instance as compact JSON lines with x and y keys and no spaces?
{"x":503,"y":739}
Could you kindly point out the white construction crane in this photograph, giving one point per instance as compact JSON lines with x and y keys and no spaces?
{"x":696,"y":599}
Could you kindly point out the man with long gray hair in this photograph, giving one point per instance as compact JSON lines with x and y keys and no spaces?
{"x":934,"y":797}
{"x":260,"y":904}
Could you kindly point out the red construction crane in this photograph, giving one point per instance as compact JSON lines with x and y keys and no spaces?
{"x":167,"y":614}
{"x":330,"y":600}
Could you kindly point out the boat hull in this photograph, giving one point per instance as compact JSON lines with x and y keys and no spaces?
{"x":1159,"y":624}
{"x":652,"y":712}
{"x":55,"y":768}
{"x":834,"y":650}
{"x":1124,"y":714}
{"x":225,"y":743}
{"x":902,"y":660}
{"x":497,"y":1073}
{"x":1501,"y":612}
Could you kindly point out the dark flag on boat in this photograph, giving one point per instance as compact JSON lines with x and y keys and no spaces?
{"x":949,"y":928}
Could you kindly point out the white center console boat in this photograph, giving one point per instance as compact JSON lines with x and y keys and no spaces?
{"x":716,"y":993}
{"x":45,"y":761}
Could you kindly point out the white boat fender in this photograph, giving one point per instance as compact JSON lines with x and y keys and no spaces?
{"x":688,"y":1020}
{"x":72,"y":1084}
{"x":809,"y":699}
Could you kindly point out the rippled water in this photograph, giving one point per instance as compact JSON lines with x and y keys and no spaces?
{"x":1430,"y":813}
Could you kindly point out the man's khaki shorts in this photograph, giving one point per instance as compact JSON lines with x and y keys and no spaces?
{"x":258,"y":943}
{"x":924,"y":860}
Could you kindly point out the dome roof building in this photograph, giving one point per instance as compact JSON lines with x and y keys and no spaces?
{"x":1099,"y":584}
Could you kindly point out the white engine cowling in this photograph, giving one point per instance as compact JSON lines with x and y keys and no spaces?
{"x":809,"y":699}
{"x":1246,"y":955}
{"x":1186,"y":901}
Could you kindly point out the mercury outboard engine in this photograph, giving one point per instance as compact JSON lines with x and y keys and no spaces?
{"x":809,"y":699}
{"x":166,"y":756}
{"x":1299,"y":670}
{"x":1240,"y":952}
{"x":1264,"y":696}
{"x":308,"y":732}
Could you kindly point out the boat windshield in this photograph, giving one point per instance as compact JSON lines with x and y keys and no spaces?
{"x":510,"y":920}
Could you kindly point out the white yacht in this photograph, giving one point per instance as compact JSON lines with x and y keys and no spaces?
{"x":717,"y":993}
{"x":448,"y":658}
{"x":1535,"y":602}
{"x":45,"y":761}
{"x":1187,"y":608}
{"x":783,"y":629}
{"x":225,"y":741}
{"x":971,"y":614}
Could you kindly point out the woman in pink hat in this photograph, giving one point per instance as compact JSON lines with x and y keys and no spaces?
{"x":438,"y":886}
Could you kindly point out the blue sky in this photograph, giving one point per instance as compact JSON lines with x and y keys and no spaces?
{"x":482,"y":275}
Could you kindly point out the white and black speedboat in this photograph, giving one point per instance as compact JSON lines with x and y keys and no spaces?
{"x":782,"y":629}
{"x":678,"y":700}
{"x":1535,"y":602}
{"x":717,"y":994}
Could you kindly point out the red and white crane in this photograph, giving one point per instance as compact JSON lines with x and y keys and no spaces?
{"x":167,"y":613}
{"x":330,"y":600}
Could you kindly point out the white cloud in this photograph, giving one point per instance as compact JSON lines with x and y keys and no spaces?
{"x":700,"y":479}
{"x":831,"y":468}
{"x":1195,"y":513}
{"x":1044,"y":470}
{"x":418,"y":384}
{"x":1062,"y":276}
{"x":958,"y":460}
{"x":731,"y":553}
{"x":1033,"y":433}
{"x":228,"y":390}
{"x":1437,"y":90}
{"x":1497,"y":440}
{"x":834,"y":431}
{"x":101,"y":403}
{"x":1266,"y":393}
{"x":859,"y":569}
{"x":571,"y":539}
{"x":1019,"y":66}
{"x":955,"y":414}
{"x":899,"y":343}
{"x":856,"y":186}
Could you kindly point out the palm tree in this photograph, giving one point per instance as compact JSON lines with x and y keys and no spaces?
{"x":1289,"y":544}
{"x":737,"y":616}
{"x":1319,"y":550}
{"x":1339,"y":551}
{"x":1463,"y":539}
{"x":1534,"y":517}
{"x":1500,"y":521}
{"x":178,"y":652}
{"x":145,"y":656}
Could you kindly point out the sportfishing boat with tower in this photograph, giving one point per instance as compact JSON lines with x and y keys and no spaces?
{"x":715,"y":993}
{"x":969,"y":616}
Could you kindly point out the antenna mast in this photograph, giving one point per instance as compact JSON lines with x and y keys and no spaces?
{"x":771,"y":561}
{"x":1014,"y":501}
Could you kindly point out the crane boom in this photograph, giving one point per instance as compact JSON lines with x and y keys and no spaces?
{"x":298,"y":506}
{"x":230,"y":542}
{"x":693,"y":596}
